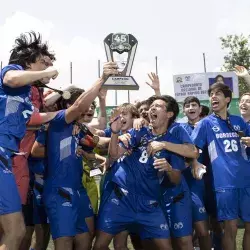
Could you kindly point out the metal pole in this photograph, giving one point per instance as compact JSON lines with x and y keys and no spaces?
{"x":71,"y":76}
{"x":1,"y":65}
{"x":128,"y":96}
{"x":99,"y":68}
{"x":156,"y":65}
{"x":204,"y":61}
{"x":115,"y":97}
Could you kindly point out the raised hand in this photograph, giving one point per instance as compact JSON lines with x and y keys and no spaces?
{"x":241,"y":71}
{"x":155,"y":82}
{"x":109,"y":68}
{"x":115,"y":121}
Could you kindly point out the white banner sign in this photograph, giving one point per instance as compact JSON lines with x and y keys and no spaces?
{"x":198,"y":84}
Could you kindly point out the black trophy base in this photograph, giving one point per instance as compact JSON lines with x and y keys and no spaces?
{"x":120,"y":83}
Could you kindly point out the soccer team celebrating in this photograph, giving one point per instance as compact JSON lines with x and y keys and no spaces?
{"x":164,"y":184}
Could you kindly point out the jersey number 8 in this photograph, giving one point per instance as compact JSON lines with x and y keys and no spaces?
{"x":144,"y":157}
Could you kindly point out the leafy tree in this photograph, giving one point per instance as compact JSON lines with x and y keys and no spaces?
{"x":238,"y":53}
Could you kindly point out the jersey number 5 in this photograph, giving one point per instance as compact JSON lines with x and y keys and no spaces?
{"x":230,"y":146}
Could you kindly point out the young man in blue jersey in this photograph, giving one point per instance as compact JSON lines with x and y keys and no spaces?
{"x":221,"y":133}
{"x":27,"y":64}
{"x":64,"y":196}
{"x":192,"y":109}
{"x":135,"y":200}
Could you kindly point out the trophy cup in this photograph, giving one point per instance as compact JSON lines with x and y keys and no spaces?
{"x":121,"y":48}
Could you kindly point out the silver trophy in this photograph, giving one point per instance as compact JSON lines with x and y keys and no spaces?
{"x":121,"y":48}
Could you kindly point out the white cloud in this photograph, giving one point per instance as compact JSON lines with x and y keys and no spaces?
{"x":84,"y":54}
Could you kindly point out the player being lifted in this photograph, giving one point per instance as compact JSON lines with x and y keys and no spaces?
{"x":27,"y":64}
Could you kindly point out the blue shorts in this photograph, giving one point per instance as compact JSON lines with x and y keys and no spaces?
{"x":39,"y":213}
{"x":10,"y":201}
{"x":233,"y":204}
{"x":85,"y":206}
{"x":64,"y":207}
{"x":179,"y":213}
{"x":122,"y":211}
{"x":198,"y":207}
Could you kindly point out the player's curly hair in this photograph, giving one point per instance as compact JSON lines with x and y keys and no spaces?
{"x":171,"y":105}
{"x":28,"y":47}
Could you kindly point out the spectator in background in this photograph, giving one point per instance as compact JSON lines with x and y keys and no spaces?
{"x":204,"y":111}
{"x":219,"y":79}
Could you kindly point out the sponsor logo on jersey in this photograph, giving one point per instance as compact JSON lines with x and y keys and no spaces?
{"x":164,"y":227}
{"x":215,"y":128}
{"x":202,"y":210}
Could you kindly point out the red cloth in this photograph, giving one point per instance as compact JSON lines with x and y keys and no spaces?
{"x":20,"y":162}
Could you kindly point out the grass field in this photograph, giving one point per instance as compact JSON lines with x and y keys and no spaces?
{"x":239,"y":241}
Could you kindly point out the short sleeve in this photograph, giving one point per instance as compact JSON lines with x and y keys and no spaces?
{"x":59,"y":121}
{"x":199,"y":135}
{"x":10,"y":67}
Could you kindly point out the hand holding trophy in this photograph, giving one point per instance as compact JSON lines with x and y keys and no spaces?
{"x":121,"y":48}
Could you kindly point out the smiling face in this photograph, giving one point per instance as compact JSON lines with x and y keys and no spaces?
{"x":143,"y":110}
{"x":192,"y":110}
{"x":158,"y":114}
{"x":218,"y":100}
{"x":244,"y":105}
{"x":127,"y":120}
{"x":87,"y":117}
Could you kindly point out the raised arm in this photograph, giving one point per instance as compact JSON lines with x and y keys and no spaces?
{"x":242,"y":72}
{"x":102,"y":118}
{"x":20,"y":78}
{"x":155,"y":83}
{"x":115,"y":151}
{"x":83,"y":102}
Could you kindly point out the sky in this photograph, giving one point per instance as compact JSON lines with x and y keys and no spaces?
{"x":177,"y":32}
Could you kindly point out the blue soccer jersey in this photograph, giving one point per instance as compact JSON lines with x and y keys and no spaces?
{"x":38,"y":165}
{"x":64,"y":166}
{"x":15,"y":110}
{"x":229,"y":163}
{"x":135,"y":172}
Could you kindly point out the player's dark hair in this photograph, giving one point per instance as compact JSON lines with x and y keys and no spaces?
{"x":223,"y":88}
{"x":190,"y":99}
{"x":75,"y":93}
{"x":128,"y":107}
{"x":94,"y":104}
{"x":144,"y":102}
{"x":247,"y":93}
{"x":219,"y":76}
{"x":28,"y":48}
{"x":204,"y":111}
{"x":171,"y":105}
